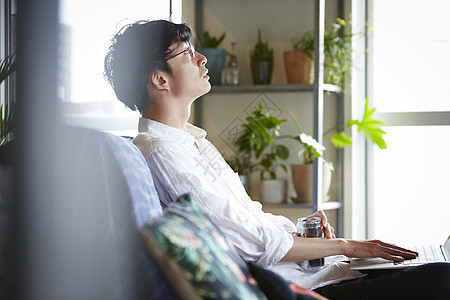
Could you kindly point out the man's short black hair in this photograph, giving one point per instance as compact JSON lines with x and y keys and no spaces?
{"x":138,"y":50}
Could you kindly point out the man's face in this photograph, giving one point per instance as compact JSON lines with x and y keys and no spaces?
{"x":189,"y":79}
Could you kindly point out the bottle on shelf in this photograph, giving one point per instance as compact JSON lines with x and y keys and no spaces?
{"x":230,"y":74}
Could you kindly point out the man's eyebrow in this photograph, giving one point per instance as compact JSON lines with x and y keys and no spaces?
{"x":168,"y":51}
{"x":175,"y":45}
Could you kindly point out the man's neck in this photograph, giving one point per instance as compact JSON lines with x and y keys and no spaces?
{"x":174,"y":116}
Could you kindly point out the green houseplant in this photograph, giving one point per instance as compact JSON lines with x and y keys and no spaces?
{"x":261,"y":62}
{"x":337,"y":49}
{"x":259,"y":142}
{"x":216,"y":57}
{"x":6,"y":107}
{"x":211,"y":41}
{"x":338,"y":52}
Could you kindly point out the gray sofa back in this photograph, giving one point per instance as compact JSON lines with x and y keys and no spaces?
{"x":107,"y":195}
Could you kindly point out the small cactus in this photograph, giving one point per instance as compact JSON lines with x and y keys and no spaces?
{"x":261,"y":51}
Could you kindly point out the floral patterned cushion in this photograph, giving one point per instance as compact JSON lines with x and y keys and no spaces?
{"x":197,"y":258}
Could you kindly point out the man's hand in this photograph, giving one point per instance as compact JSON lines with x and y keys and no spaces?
{"x":328,"y":230}
{"x":376,"y":248}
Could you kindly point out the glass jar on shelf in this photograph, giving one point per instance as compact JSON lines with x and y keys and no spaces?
{"x":230,"y":75}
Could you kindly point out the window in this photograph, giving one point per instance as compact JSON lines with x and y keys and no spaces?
{"x":408,"y":195}
{"x":86,"y":30}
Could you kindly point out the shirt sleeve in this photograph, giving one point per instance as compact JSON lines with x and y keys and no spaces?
{"x":283,"y":222}
{"x":256,"y":235}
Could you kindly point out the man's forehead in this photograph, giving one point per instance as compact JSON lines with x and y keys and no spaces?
{"x":179,"y":45}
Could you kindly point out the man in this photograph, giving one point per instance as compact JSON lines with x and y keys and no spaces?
{"x":153,"y":67}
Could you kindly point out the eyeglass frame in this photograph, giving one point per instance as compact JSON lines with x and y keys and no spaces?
{"x":190,"y":49}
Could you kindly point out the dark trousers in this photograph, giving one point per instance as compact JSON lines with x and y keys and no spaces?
{"x":431,"y":281}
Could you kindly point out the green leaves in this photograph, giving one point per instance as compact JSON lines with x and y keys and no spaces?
{"x":341,"y":22}
{"x":210,"y":41}
{"x":261,"y":130}
{"x":305,"y":43}
{"x":282,"y":151}
{"x":337,"y":49}
{"x":370,"y":126}
{"x":268,"y":161}
{"x":340,"y":140}
{"x":6,"y":67}
{"x":261,"y":52}
{"x":6,"y":121}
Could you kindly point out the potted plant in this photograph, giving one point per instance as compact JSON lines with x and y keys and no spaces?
{"x":259,"y":141}
{"x":303,"y":172}
{"x":261,"y":62}
{"x":337,"y":50}
{"x":6,"y":107}
{"x":215,"y":56}
{"x":299,"y":62}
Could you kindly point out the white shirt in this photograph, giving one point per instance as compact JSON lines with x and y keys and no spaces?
{"x":186,"y":162}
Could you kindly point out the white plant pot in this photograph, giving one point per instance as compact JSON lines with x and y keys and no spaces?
{"x":273,"y":190}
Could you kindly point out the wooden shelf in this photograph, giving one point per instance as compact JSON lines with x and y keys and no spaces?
{"x":225,"y":89}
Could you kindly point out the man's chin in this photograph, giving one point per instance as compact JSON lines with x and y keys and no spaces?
{"x":207,"y":89}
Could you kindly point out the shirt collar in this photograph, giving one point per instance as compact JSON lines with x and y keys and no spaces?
{"x":160,"y":130}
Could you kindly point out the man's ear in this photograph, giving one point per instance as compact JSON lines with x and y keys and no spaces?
{"x":159,"y":80}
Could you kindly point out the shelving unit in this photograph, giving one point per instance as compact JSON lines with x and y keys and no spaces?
{"x":317,"y":89}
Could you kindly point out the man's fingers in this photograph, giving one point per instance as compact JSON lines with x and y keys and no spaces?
{"x":394,"y":249}
{"x":329,"y":231}
{"x":323,"y":217}
{"x":377,"y":248}
{"x":388,"y":256}
{"x":392,"y":252}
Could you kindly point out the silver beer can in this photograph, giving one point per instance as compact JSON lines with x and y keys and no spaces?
{"x":310,"y":228}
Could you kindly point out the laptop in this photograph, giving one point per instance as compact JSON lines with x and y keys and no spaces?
{"x":427,"y":254}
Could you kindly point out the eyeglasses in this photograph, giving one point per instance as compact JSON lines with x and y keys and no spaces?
{"x":190,"y":49}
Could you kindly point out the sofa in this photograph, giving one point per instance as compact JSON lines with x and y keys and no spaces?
{"x":118,"y":243}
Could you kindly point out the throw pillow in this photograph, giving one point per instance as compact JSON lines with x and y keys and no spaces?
{"x":196,"y":257}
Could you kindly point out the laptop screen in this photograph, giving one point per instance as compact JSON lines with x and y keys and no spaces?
{"x":447,"y":248}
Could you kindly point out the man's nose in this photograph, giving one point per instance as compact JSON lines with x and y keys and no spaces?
{"x":201,"y":58}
